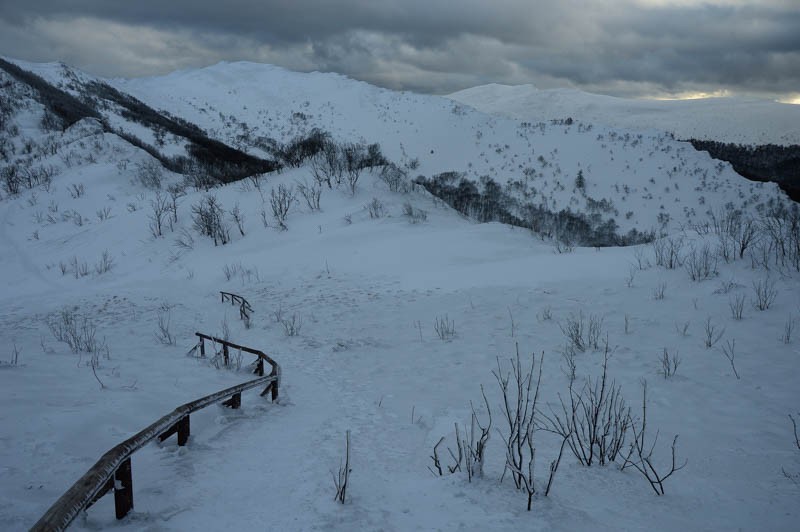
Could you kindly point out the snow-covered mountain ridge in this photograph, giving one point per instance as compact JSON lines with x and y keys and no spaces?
{"x":739,"y":120}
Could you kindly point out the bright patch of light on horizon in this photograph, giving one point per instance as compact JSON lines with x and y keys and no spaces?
{"x":693,"y":95}
{"x":794,"y":99}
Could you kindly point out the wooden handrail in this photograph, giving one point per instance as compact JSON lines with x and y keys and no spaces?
{"x":113,"y":470}
{"x":244,"y":306}
{"x":262,"y":357}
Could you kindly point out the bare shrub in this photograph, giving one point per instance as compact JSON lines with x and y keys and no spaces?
{"x":159,"y":206}
{"x":669,"y":363}
{"x":105,"y":264}
{"x":640,"y":453}
{"x":729,"y":350}
{"x":520,"y":391}
{"x":668,"y":252}
{"x":594,"y":421}
{"x":149,"y":174}
{"x":712,"y":333}
{"x":683,"y":328}
{"x":208,"y":220}
{"x":311,"y":192}
{"x":788,"y":328}
{"x":164,"y":332}
{"x":342,"y":479}
{"x":77,"y":331}
{"x":375,"y":208}
{"x":659,"y":290}
{"x":445,"y":328}
{"x":415,"y":216}
{"x":394,"y":177}
{"x":281,"y":201}
{"x":103,"y":214}
{"x":573,"y":329}
{"x":292,"y":325}
{"x":701,"y":264}
{"x":765,"y":293}
{"x":238,"y":218}
{"x":736,"y":305}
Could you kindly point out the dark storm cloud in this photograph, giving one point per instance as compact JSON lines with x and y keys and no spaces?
{"x":625,"y":47}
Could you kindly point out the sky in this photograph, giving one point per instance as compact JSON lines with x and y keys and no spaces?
{"x":627,"y":48}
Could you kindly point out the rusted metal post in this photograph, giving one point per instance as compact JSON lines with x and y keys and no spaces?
{"x":123,"y":489}
{"x":225,"y":354}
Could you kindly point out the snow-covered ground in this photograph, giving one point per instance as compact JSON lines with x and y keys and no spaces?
{"x":725,"y":119}
{"x":368,"y":292}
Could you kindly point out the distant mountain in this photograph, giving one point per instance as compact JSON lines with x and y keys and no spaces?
{"x":730,"y":120}
{"x":567,"y":178}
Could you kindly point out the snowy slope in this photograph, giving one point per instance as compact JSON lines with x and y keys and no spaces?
{"x":649,"y":181}
{"x":726,"y":119}
{"x":368,"y":292}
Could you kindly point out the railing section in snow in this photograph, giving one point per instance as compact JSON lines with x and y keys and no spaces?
{"x":113,"y":470}
{"x":244,"y":307}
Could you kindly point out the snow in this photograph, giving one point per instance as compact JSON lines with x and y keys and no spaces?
{"x":367,"y":357}
{"x":742,"y":120}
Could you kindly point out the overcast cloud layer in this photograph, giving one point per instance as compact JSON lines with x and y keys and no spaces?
{"x":636,"y":48}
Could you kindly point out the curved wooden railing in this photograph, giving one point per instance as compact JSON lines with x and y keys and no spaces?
{"x":113,"y":470}
{"x":244,"y":306}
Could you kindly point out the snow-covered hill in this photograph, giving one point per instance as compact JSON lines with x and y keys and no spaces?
{"x":725,"y":119}
{"x":387,"y":311}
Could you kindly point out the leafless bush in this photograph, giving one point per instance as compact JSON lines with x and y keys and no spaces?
{"x":594,"y":331}
{"x":103,"y":214}
{"x":105,"y":264}
{"x":163,"y":332}
{"x":641,"y":261}
{"x":683,"y":329}
{"x":342,"y":479}
{"x":659,"y":290}
{"x":14,"y":358}
{"x":794,"y":477}
{"x":667,"y":252}
{"x":729,"y":350}
{"x":765,"y":293}
{"x":701,"y":264}
{"x":669,"y":363}
{"x":375,"y":208}
{"x":573,"y":329}
{"x":445,"y":328}
{"x":281,"y":201}
{"x":159,"y":206}
{"x":208,"y":220}
{"x":149,"y":173}
{"x":184,"y":240}
{"x":176,"y":192}
{"x":788,"y":328}
{"x":328,"y":165}
{"x":736,"y":305}
{"x":77,"y":331}
{"x":311,"y":192}
{"x":640,"y":453}
{"x":394,"y":177}
{"x":712,"y":332}
{"x":520,"y":391}
{"x":546,"y":314}
{"x":594,"y":421}
{"x":293,"y":325}
{"x":79,"y":269}
{"x":415,"y":216}
{"x":570,"y":367}
{"x":76,"y":190}
{"x":238,"y":218}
